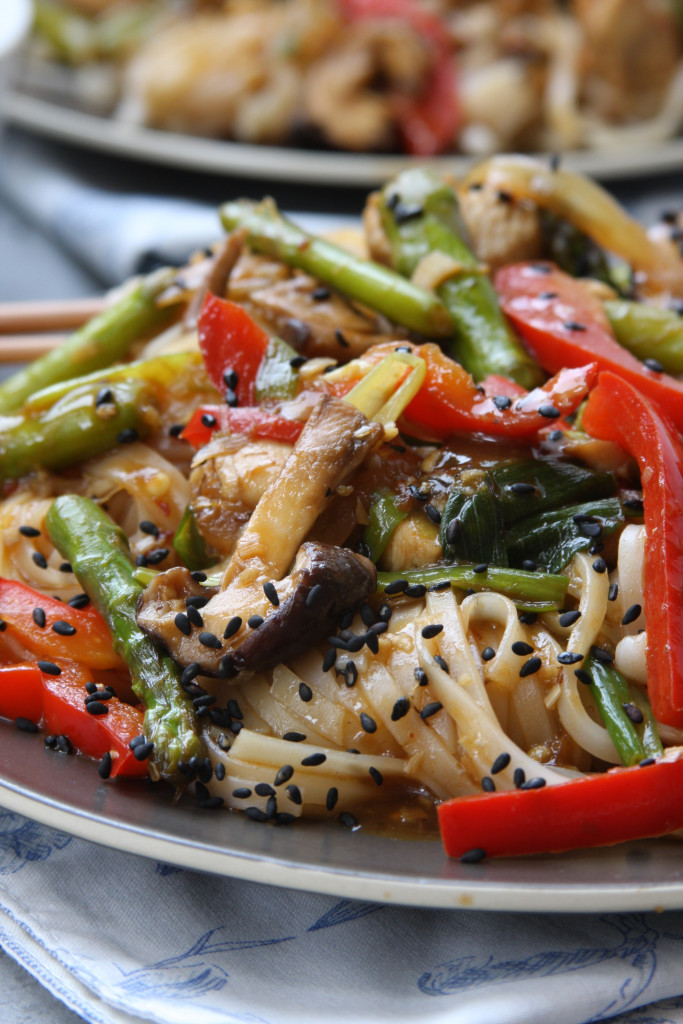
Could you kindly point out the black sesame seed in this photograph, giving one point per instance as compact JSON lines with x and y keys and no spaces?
{"x":127,"y":436}
{"x":264,"y":789}
{"x":231,"y":399}
{"x":646,"y":762}
{"x":329,"y":659}
{"x":313,"y":760}
{"x":421,"y":676}
{"x":633,"y":713}
{"x":211,"y":803}
{"x":601,"y":655}
{"x":384,"y":613}
{"x":599,"y":565}
{"x":207,"y":639}
{"x":284,"y":775}
{"x":453,"y":530}
{"x":203,"y":700}
{"x":348,"y":820}
{"x":241,"y":793}
{"x":219,"y":771}
{"x":176,"y":429}
{"x":502,"y":402}
{"x":376,"y":775}
{"x":474,"y":856}
{"x":504,"y":197}
{"x":488,"y":653}
{"x":432,"y":630}
{"x":528,"y":618}
{"x":331,"y":798}
{"x":155,"y":557}
{"x":569,"y":618}
{"x":583,"y":676}
{"x":320,"y":293}
{"x":416,"y":590}
{"x":29,"y":531}
{"x":198,"y":576}
{"x":368,"y":724}
{"x":105,"y":765}
{"x":294,"y":737}
{"x":590,"y":529}
{"x":230,"y":378}
{"x":346,"y":618}
{"x":400,"y":709}
{"x":569,"y":658}
{"x":521,"y":487}
{"x":443,"y":665}
{"x":64,"y":744}
{"x":431,"y":709}
{"x":372,"y":641}
{"x":535,"y":783}
{"x":232,"y":627}
{"x":183,"y":623}
{"x":208,"y":420}
{"x":432,"y":514}
{"x":631,"y":614}
{"x":25,"y":725}
{"x":522,"y":648}
{"x":530,"y":666}
{"x":548,"y":411}
{"x":147,"y":526}
{"x":96,"y":707}
{"x":405,"y":211}
{"x":439,"y":585}
{"x":488,"y":785}
{"x":62,"y":628}
{"x":529,"y":565}
{"x":396,"y":587}
{"x":613,"y":592}
{"x":367,"y":614}
{"x":271,"y":593}
{"x":519,"y":777}
{"x":654,"y":365}
{"x":65,"y":567}
{"x":39,"y":559}
{"x":141,"y":560}
{"x":634,"y":504}
{"x":256,"y":814}
{"x":143,"y":750}
{"x":39,"y":617}
{"x":254,"y":621}
{"x":314,"y":595}
{"x":547,"y":295}
{"x":500,"y":764}
{"x":294,"y":794}
{"x":555,"y":435}
{"x":574,"y":325}
{"x":79,"y":601}
{"x":49,"y":668}
{"x":350,"y":673}
{"x":305,"y":692}
{"x":341,"y":340}
{"x":50,"y":741}
{"x":480,"y":568}
{"x":103,"y":397}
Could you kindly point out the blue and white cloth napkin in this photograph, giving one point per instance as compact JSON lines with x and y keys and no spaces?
{"x":120,"y":939}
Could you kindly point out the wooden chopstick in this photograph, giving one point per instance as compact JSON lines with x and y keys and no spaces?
{"x":20,"y":348}
{"x":48,"y":315}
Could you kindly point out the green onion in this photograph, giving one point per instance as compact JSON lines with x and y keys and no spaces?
{"x":276,"y":377}
{"x":385,"y":514}
{"x":554,"y":537}
{"x":610,"y":692}
{"x":189,"y":545}
{"x":531,"y":591}
{"x":556,"y":482}
{"x":479,"y":535}
{"x":648,"y":332}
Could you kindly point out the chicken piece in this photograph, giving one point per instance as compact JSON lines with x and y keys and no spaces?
{"x":314,"y":321}
{"x":415,"y":542}
{"x":631,"y":51}
{"x":341,"y":580}
{"x":341,"y":95}
{"x":334,"y":442}
{"x":502,"y":229}
{"x":227,"y":481}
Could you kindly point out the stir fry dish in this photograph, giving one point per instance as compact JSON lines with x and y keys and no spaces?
{"x":377,"y":533}
{"x":413,"y":76}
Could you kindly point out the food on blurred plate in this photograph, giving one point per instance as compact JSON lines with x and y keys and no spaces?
{"x":413,"y":76}
{"x":369,"y":541}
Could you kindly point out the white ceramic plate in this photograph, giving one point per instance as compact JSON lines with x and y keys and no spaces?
{"x":279,"y":163}
{"x":66,"y":793}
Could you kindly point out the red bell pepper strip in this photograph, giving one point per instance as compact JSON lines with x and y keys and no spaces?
{"x":91,"y":644}
{"x":429,"y":123}
{"x":58,"y":704}
{"x":597,"y":810}
{"x":251,"y":421}
{"x":563,"y":324}
{"x":230,"y":340}
{"x":449,"y":402}
{"x":616,"y":411}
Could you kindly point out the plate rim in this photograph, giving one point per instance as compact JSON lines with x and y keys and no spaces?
{"x":284,"y":164}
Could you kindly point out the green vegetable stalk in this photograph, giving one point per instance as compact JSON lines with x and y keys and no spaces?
{"x":77,"y":427}
{"x":648,"y":332}
{"x":98,"y":551}
{"x":384,"y":516}
{"x":189,"y":545}
{"x":614,"y":697}
{"x":530,"y":591}
{"x":375,"y":286}
{"x":103,"y":340}
{"x":420,"y":215}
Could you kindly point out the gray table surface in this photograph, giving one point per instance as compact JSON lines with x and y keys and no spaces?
{"x":33,"y":266}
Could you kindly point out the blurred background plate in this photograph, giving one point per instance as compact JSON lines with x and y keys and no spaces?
{"x":279,"y":163}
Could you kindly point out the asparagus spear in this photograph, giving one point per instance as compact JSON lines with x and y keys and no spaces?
{"x":103,"y":340}
{"x":98,"y":552}
{"x":420,"y":215}
{"x":370,"y":283}
{"x":76,"y":428}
